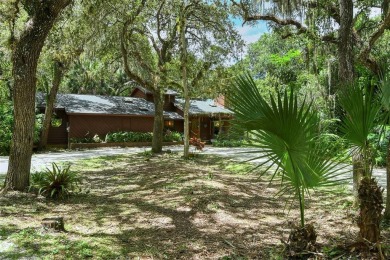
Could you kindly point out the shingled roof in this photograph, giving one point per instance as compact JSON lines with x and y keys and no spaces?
{"x":203,"y":107}
{"x":104,"y":105}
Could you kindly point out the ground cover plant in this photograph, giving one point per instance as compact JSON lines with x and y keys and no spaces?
{"x":166,"y":207}
{"x":56,"y":181}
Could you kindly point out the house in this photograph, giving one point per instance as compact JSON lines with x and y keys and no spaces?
{"x":207,"y":117}
{"x":83,"y":116}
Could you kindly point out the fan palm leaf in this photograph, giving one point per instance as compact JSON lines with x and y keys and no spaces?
{"x":287,"y":132}
{"x":361,"y":113}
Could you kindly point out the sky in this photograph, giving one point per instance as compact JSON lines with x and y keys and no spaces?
{"x":250,"y":33}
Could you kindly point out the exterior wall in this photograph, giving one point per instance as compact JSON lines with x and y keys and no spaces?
{"x":205,"y":128}
{"x":168,"y":103}
{"x":59,"y":135}
{"x":89,"y":125}
{"x":149,"y":97}
{"x":168,"y":99}
{"x":178,"y":126}
{"x":138,"y":94}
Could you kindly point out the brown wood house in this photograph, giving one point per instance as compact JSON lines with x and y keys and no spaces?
{"x":83,"y":116}
{"x":207,"y":117}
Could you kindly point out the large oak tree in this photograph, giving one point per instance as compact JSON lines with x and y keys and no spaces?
{"x":26,"y":50}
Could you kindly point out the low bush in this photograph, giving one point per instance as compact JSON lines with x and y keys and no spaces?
{"x":379,"y":139}
{"x":87,"y":139}
{"x":197,"y":143}
{"x":173,"y":136}
{"x":56,"y":182}
{"x":122,"y":137}
{"x":335,"y":145}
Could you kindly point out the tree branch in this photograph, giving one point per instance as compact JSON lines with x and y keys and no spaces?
{"x":200,"y":74}
{"x":364,"y":55}
{"x":375,"y":36}
{"x":125,"y":52}
{"x":159,"y":23}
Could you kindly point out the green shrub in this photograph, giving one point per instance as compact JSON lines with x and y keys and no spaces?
{"x":173,"y":136}
{"x":6,"y":121}
{"x":122,"y":137}
{"x":380,"y":138}
{"x":335,"y":145}
{"x":56,"y":182}
{"x":6,"y":126}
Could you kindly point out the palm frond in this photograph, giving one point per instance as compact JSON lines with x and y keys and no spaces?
{"x":287,"y":131}
{"x":361,"y":112}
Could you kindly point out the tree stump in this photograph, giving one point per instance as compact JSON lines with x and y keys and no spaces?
{"x":53,"y":223}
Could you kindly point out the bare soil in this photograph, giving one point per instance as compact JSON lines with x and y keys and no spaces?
{"x":164,"y":207}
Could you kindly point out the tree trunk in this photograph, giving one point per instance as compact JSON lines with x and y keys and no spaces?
{"x":186,"y":125}
{"x":386,"y":215}
{"x":57,"y":77}
{"x":345,"y":48}
{"x":183,"y":46}
{"x":358,"y":173}
{"x":25,"y":57}
{"x":346,"y":73}
{"x":370,"y":196}
{"x":385,"y":7}
{"x":158,"y":125}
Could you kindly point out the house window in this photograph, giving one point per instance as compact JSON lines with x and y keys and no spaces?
{"x":169,"y":124}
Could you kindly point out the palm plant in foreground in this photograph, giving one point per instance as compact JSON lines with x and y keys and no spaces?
{"x":361,"y":115}
{"x":287,"y":133}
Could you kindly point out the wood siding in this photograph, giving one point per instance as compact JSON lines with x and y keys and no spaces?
{"x":89,"y":125}
{"x":205,"y":128}
{"x":59,"y":135}
{"x":168,"y":103}
{"x":138,"y":94}
{"x":168,"y":99}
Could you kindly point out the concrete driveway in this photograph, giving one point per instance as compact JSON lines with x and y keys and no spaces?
{"x":42,"y":160}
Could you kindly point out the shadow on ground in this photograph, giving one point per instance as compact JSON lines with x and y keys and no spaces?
{"x":166,"y":207}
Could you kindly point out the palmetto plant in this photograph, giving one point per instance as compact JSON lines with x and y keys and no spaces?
{"x":362,"y":109}
{"x":287,"y":133}
{"x":55,"y":182}
{"x":361,"y":115}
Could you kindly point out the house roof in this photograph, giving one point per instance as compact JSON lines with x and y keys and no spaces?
{"x":104,"y":105}
{"x":203,"y":107}
{"x":167,"y":91}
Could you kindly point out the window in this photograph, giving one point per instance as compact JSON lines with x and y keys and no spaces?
{"x":169,"y":124}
